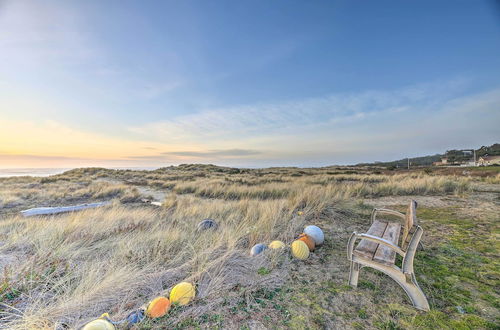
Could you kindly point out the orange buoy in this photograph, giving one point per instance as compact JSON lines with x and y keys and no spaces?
{"x":158,"y":307}
{"x":308,"y":240}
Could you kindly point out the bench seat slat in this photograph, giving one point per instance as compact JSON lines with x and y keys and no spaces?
{"x":385,"y":254}
{"x":365,"y":248}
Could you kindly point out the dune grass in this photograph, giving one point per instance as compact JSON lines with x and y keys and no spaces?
{"x":70,"y":268}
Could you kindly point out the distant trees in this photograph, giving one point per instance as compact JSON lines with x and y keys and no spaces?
{"x":458,"y":156}
{"x":493,"y":150}
{"x":454,"y":156}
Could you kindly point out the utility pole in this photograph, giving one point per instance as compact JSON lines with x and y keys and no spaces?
{"x":408,"y":164}
{"x":474,"y":157}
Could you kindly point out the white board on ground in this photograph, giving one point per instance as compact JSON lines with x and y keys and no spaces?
{"x":60,"y":209}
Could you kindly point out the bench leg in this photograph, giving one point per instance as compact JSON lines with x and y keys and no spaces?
{"x":410,"y":286}
{"x":354,"y":274}
{"x":407,"y":282}
{"x":416,"y":294}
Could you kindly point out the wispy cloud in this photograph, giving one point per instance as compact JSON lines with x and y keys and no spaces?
{"x":315,"y":113}
{"x":215,"y":153}
{"x":221,"y":154}
{"x":342,"y":128}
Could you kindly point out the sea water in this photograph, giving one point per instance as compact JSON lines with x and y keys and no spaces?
{"x":7,"y":172}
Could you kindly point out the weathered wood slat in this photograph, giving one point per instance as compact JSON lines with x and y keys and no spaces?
{"x":385,"y":254}
{"x":410,"y":222}
{"x":365,"y":248}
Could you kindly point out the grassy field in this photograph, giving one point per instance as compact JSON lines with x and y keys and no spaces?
{"x":63,"y":271}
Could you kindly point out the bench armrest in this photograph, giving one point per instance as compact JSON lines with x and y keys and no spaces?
{"x":383,"y":242}
{"x":350,"y":245}
{"x":387,"y":211}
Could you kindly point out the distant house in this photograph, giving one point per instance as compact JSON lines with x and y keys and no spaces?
{"x":488,"y":160}
{"x":442,"y":162}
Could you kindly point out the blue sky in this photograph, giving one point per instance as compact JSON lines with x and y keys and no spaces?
{"x":245,"y":83}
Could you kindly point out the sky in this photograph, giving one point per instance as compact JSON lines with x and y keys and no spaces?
{"x":120,"y":83}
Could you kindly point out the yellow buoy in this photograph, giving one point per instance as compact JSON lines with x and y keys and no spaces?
{"x":99,"y":324}
{"x":276,"y":245}
{"x":158,"y":307}
{"x":300,"y":250}
{"x":182,"y":293}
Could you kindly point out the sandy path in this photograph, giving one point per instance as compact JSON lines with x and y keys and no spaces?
{"x":153,"y":194}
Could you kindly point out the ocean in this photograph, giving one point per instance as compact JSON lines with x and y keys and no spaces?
{"x":8,"y":172}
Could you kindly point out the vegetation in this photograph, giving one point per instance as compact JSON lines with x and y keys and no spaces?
{"x":454,"y":156}
{"x":68,"y":269}
{"x":493,"y":150}
{"x":403,"y":163}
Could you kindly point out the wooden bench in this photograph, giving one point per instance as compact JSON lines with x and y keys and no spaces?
{"x":378,"y":247}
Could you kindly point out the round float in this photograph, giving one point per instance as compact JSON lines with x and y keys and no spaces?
{"x":182,"y":293}
{"x":257,"y":249}
{"x":276,"y":245}
{"x":158,"y":307}
{"x":99,"y":324}
{"x":207,"y":224}
{"x":300,"y":250}
{"x":308,"y":240}
{"x":316,"y":233}
{"x":136,"y":316}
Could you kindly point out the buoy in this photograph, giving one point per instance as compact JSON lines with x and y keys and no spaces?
{"x":277,"y":245}
{"x":99,"y":324}
{"x":257,"y":249}
{"x":316,"y":233}
{"x":308,"y":240}
{"x":300,"y":250}
{"x":207,"y":224}
{"x":182,"y":293}
{"x":136,"y":316}
{"x":158,"y":307}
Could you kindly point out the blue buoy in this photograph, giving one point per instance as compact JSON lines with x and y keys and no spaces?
{"x":257,"y":249}
{"x":136,"y":316}
{"x":207,"y":224}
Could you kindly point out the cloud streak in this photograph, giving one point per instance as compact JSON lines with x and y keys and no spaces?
{"x":342,"y":128}
{"x":275,"y":118}
{"x":335,"y":129}
{"x":215,"y":153}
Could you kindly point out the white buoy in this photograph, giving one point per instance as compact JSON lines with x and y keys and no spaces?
{"x":316,"y":233}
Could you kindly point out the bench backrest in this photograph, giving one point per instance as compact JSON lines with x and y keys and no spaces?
{"x":410,"y":224}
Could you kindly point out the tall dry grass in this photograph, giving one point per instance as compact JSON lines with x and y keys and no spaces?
{"x":70,"y":268}
{"x":338,"y":187}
